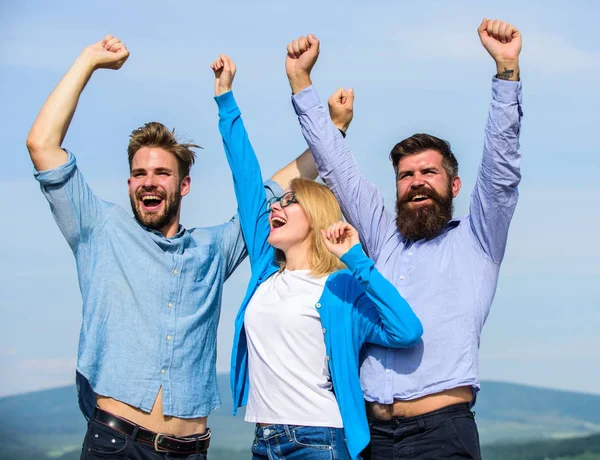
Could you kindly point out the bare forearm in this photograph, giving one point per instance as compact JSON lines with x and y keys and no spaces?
{"x":50,"y":127}
{"x":508,"y":70}
{"x":303,"y":166}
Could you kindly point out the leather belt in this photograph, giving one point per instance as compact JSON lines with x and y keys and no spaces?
{"x":160,"y":441}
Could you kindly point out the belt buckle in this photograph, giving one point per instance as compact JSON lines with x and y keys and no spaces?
{"x":157,"y":439}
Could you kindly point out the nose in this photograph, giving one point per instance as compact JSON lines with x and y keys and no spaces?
{"x":148,"y":181}
{"x":276,"y":206}
{"x":417,"y":181}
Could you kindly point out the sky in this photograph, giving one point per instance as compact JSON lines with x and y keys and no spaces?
{"x":414,"y":66}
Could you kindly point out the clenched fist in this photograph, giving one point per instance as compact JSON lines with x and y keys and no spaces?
{"x":302,"y":54}
{"x":224,"y":70}
{"x":339,"y":238}
{"x":341,"y":108}
{"x":503,"y":42}
{"x":110,"y":53}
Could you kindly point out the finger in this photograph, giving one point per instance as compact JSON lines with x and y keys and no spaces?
{"x":290,"y":51}
{"x":110,"y":43}
{"x":302,"y":44}
{"x":314,"y":43}
{"x":502,"y":32}
{"x":496,"y":30}
{"x":106,"y":39}
{"x":296,"y":48}
{"x":482,"y":29}
{"x":335,"y":97}
{"x":116,"y":47}
{"x":342,"y":96}
{"x":350,"y":97}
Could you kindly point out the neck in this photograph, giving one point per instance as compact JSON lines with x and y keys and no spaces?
{"x":170,"y":230}
{"x":296,"y":257}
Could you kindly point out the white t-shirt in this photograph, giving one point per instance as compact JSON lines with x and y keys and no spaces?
{"x":289,"y":373}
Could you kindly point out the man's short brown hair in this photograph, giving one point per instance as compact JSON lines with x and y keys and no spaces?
{"x":155,"y":134}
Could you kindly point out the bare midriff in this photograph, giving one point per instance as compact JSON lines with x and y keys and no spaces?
{"x":420,"y":406}
{"x":155,"y":420}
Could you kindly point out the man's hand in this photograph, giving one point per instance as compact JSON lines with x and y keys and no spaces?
{"x":224,"y":70}
{"x":302,"y":55}
{"x":341,"y":108}
{"x":109,"y":53}
{"x":339,"y":238}
{"x":503,"y":42}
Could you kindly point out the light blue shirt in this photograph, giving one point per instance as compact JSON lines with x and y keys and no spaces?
{"x":449,"y":281}
{"x":150,"y":304}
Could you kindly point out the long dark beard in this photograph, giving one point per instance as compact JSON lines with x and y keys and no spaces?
{"x":157,"y":221}
{"x":424,"y":222}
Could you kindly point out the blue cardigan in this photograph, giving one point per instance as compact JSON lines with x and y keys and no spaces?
{"x":358,"y":304}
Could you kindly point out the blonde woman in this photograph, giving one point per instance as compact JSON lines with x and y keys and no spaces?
{"x":305,"y":316}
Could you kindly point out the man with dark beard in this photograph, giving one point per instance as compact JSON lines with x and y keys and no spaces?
{"x":419,"y":400}
{"x":146,"y":368}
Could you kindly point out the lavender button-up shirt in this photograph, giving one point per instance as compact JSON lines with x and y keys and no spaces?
{"x":449,"y":281}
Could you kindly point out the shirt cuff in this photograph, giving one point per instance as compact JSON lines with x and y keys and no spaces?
{"x":273,"y":188}
{"x":57,"y":175}
{"x":226,"y":103}
{"x":305,"y":100}
{"x":354,"y":256}
{"x":506,"y":91}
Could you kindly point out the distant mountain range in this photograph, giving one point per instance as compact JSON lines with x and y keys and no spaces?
{"x":48,"y":424}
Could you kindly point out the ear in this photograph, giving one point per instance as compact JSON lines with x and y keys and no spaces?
{"x":184,"y":188}
{"x":456,"y":184}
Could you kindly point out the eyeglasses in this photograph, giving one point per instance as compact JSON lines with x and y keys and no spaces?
{"x":284,"y":200}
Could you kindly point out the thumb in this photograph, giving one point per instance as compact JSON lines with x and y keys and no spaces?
{"x":482,"y":27}
{"x":350,"y":97}
{"x":314,"y":44}
{"x":326,"y":242}
{"x":226,"y":62}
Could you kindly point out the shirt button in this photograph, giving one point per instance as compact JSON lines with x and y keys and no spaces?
{"x":387,"y":371}
{"x":175,"y":272}
{"x":324,"y":330}
{"x":318,"y":305}
{"x":401,"y":277}
{"x":410,"y":253}
{"x":170,"y":305}
{"x":168,"y":337}
{"x":327,"y":358}
{"x":162,"y":371}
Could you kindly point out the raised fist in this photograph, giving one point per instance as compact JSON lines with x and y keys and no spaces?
{"x":501,"y":40}
{"x":339,"y":238}
{"x":109,"y":53}
{"x":341,"y":108}
{"x":224,"y":70}
{"x":301,"y":56}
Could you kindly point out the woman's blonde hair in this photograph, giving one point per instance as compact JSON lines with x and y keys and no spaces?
{"x":322,"y":210}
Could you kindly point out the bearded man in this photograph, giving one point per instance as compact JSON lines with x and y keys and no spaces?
{"x":419,"y":400}
{"x":146,"y":368}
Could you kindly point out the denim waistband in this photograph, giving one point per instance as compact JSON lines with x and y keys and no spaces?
{"x":272,"y":431}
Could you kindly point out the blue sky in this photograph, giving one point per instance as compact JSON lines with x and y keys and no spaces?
{"x":415,"y":67}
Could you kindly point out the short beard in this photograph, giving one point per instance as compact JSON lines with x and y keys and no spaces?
{"x":427,"y":221}
{"x":157,"y":221}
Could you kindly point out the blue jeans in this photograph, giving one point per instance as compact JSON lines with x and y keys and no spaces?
{"x":291,"y":442}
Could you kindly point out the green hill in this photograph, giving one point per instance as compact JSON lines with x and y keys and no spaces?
{"x":587,"y":448}
{"x":48,"y":424}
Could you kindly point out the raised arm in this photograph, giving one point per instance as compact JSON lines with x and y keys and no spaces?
{"x":50,"y":127}
{"x":361,"y":202}
{"x":385,"y":316}
{"x":341,"y":113}
{"x":495,"y":195}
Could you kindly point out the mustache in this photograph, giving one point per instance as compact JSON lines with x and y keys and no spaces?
{"x":429,"y":193}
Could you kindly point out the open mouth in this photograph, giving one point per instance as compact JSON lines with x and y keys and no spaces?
{"x":419,"y":198}
{"x":277,"y":222}
{"x":151,"y":202}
